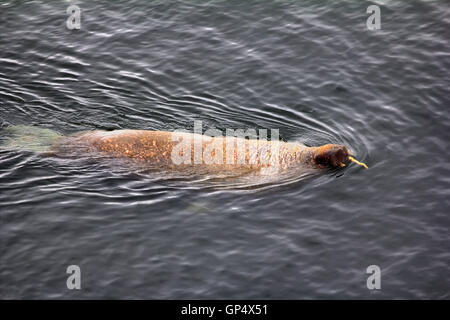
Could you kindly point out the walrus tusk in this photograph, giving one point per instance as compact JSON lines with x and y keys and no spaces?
{"x":357,"y":162}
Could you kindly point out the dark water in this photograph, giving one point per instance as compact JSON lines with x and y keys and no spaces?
{"x":311,"y":69}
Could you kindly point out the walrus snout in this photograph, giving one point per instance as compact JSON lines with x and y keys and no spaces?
{"x":331,"y":155}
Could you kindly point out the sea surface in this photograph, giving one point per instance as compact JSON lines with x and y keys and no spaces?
{"x":311,"y":69}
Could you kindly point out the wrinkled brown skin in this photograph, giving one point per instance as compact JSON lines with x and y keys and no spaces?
{"x":155,"y":147}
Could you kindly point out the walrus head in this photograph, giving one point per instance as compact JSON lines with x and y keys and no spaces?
{"x":331,"y":155}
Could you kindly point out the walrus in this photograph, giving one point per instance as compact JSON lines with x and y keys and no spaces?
{"x":183,"y":151}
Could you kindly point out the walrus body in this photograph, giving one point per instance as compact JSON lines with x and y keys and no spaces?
{"x":212,"y":154}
